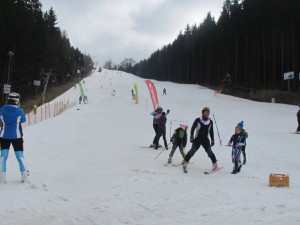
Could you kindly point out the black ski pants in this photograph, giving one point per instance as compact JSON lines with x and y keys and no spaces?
{"x":196,"y":145}
{"x":155,"y":127}
{"x":160,"y":133}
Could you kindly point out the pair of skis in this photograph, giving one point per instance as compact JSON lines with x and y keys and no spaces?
{"x":205,"y":172}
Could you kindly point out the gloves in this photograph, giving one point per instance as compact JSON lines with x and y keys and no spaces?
{"x":212,"y":142}
{"x":191,"y":139}
{"x":168,"y":110}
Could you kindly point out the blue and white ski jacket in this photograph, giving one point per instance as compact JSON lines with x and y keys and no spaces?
{"x":11,"y":117}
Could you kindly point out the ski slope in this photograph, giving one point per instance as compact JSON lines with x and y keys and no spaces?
{"x":88,"y":165}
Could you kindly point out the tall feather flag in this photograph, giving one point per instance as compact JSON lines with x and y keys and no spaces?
{"x":153,"y":93}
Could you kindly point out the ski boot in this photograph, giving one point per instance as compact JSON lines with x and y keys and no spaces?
{"x":234,"y":172}
{"x":184,"y":166}
{"x":3,"y":177}
{"x":215,"y":166}
{"x":24,"y":176}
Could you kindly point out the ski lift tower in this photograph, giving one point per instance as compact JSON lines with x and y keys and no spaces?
{"x":45,"y":74}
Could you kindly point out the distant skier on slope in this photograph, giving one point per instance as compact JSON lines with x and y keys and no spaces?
{"x":11,"y":133}
{"x":237,"y":141}
{"x":178,"y":139}
{"x":202,"y":126}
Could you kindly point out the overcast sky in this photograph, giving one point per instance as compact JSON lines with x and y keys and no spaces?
{"x":119,"y":29}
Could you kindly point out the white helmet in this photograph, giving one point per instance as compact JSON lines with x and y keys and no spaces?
{"x":14,"y":96}
{"x":184,"y":126}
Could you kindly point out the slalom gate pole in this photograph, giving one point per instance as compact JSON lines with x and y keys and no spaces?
{"x":170,"y":128}
{"x":162,"y":151}
{"x":217,"y":130}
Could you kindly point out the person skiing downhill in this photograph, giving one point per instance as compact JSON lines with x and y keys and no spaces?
{"x":237,"y":141}
{"x":202,"y":126}
{"x":178,"y":139}
{"x":11,"y":133}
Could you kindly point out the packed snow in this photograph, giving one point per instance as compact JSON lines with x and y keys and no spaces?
{"x":91,"y":164}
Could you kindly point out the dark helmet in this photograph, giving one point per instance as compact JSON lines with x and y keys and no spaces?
{"x":14,"y":96}
{"x":159,"y":109}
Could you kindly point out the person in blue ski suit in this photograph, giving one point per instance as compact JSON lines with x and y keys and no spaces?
{"x":11,"y":133}
{"x":237,"y":141}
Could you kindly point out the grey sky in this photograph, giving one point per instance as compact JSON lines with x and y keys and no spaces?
{"x":118,"y":29}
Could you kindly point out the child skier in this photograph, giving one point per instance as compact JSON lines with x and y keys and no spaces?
{"x":244,"y":132}
{"x":237,"y":141}
{"x":178,"y":139}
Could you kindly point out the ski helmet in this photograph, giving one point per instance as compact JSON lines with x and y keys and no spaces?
{"x":14,"y":96}
{"x":206,"y":109}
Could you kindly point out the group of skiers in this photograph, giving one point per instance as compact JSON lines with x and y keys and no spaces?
{"x":201,"y":130}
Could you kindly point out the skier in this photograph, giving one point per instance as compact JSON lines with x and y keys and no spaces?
{"x":245,"y":133}
{"x":11,"y":133}
{"x":298,"y":118}
{"x":164,"y":91}
{"x":80,"y":99}
{"x":203,"y":126}
{"x":237,"y":141}
{"x":178,"y":139}
{"x":156,"y":114}
{"x":35,"y":109}
{"x":161,"y":130}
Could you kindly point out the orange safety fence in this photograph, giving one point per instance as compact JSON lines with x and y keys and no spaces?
{"x":46,"y":111}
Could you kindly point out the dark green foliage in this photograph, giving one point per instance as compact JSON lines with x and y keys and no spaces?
{"x":38,"y":45}
{"x":255,"y":41}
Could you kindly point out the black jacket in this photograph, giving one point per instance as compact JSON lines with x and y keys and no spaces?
{"x":202,"y":128}
{"x":175,"y":137}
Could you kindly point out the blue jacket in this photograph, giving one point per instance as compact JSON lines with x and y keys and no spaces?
{"x":11,"y":117}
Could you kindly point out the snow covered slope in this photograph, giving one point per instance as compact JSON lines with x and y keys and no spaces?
{"x":87,"y":165}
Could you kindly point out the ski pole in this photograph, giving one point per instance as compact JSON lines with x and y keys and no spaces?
{"x":217,"y":130}
{"x":161,"y":151}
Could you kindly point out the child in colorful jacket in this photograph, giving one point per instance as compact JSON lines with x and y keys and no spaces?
{"x":237,"y":141}
{"x":178,"y":139}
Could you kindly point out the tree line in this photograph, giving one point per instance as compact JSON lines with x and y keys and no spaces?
{"x":255,"y":41}
{"x":32,"y":46}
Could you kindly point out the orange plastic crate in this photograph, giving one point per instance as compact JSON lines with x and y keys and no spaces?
{"x":279,"y":180}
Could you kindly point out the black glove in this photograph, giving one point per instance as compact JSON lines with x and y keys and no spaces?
{"x":168,"y":110}
{"x":191,"y":139}
{"x":212,"y":143}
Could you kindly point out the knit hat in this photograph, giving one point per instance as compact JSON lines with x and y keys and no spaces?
{"x":241,"y":124}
